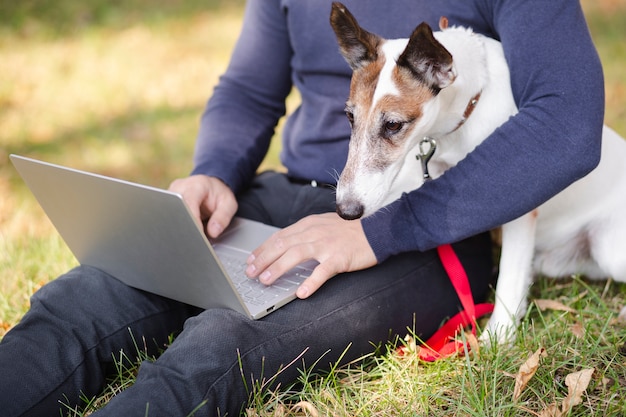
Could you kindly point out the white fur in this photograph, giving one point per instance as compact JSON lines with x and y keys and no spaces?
{"x":556,"y":238}
{"x":391,"y":50}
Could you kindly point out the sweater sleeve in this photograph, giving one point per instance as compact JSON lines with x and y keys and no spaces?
{"x":554,"y":140}
{"x":240,"y":117}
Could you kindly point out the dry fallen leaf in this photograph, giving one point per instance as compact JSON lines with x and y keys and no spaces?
{"x":553,"y":305}
{"x":576,"y":383}
{"x":474,"y":346}
{"x":280,"y":411}
{"x":550,"y":411}
{"x":307,"y":407}
{"x":408,"y":348}
{"x":578,"y":330}
{"x":526,"y":372}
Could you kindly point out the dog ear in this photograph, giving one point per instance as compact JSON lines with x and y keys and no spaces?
{"x":427,"y":59}
{"x":357,"y":45}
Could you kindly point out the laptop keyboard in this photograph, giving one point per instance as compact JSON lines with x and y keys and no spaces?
{"x":252,"y":290}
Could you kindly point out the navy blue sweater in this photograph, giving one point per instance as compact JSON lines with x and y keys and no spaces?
{"x":556,"y":79}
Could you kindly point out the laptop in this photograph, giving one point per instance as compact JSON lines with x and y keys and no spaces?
{"x":147,"y":238}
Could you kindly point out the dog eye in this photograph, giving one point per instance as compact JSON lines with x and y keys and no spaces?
{"x":393,"y":127}
{"x":350,"y":117}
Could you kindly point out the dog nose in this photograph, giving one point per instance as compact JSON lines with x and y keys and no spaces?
{"x":350,"y":210}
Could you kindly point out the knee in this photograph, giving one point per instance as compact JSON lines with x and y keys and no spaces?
{"x":80,"y":283}
{"x":217,"y":321}
{"x":88,"y":293}
{"x":226,"y":333}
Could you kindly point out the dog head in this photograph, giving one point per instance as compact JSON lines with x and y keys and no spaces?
{"x":391,"y":107}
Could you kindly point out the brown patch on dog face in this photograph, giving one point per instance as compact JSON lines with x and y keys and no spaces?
{"x":412,"y":93}
{"x":363,"y":84}
{"x":374,"y":142}
{"x":362,"y":89}
{"x":405,"y":109}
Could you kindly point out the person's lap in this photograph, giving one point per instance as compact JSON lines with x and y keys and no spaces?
{"x":218,"y":349}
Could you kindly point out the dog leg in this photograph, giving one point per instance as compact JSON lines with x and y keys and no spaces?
{"x":608,"y":245}
{"x":515,"y":277}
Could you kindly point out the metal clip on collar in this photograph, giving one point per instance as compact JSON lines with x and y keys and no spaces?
{"x":427,"y":148}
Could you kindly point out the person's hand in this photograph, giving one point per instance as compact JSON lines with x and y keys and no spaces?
{"x":338,"y":245}
{"x":208,"y":199}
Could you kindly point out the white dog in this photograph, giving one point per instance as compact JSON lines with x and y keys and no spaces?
{"x":567,"y":235}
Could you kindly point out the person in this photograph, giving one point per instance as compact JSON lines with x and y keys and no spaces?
{"x":386,"y":277}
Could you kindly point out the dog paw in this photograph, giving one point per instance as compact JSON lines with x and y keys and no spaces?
{"x":499,"y":332}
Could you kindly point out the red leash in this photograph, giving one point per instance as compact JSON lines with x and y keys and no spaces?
{"x":444,"y":342}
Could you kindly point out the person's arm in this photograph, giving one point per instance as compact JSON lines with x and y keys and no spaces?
{"x":554,"y":140}
{"x":240,"y":117}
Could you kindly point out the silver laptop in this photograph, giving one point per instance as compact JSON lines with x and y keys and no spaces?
{"x":147,"y":238}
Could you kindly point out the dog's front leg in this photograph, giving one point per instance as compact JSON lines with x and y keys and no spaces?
{"x":514,"y":279}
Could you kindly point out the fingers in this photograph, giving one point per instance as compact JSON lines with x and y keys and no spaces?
{"x":313,"y":283}
{"x":269,"y":268}
{"x":338,"y":245}
{"x":277,"y":255}
{"x":208,"y":198}
{"x":221,"y":214}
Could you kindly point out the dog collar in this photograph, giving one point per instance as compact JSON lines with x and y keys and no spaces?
{"x":469,"y":110}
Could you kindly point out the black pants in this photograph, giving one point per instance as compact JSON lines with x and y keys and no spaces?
{"x":64,"y":344}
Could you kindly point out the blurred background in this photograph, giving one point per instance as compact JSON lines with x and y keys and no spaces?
{"x":117,"y":87}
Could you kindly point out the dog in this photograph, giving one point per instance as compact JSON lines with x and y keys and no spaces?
{"x":451,"y":90}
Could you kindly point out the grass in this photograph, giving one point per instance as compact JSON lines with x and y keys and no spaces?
{"x":588,"y":337}
{"x":118,"y":88}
